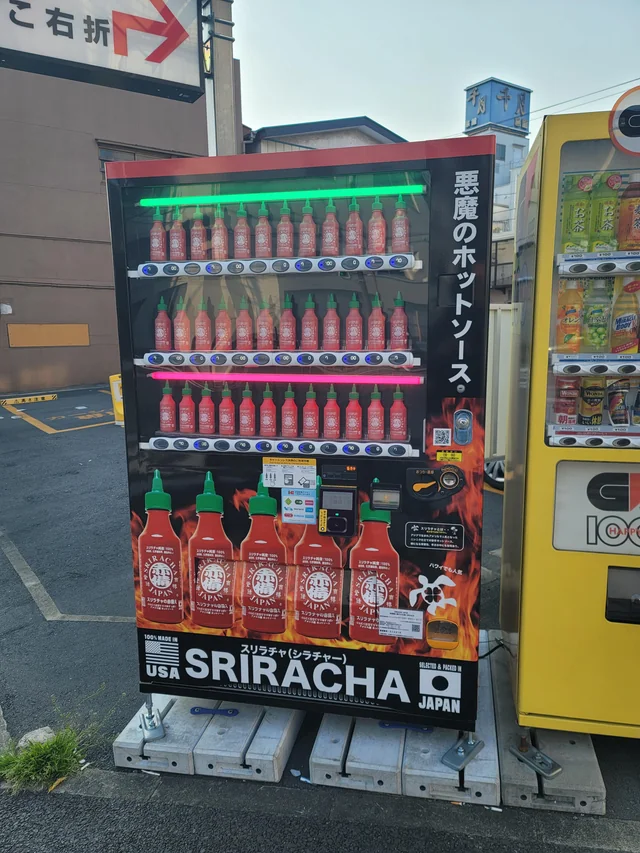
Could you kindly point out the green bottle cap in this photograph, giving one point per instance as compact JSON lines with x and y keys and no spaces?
{"x":180,"y":305}
{"x":267,"y":393}
{"x":264,"y":304}
{"x":209,"y":500}
{"x":263,"y":503}
{"x":400,"y":203}
{"x":375,"y":394}
{"x":285,"y":210}
{"x":247,"y":390}
{"x":287,"y":301}
{"x":331,"y":208}
{"x":203,"y":305}
{"x":198,"y":213}
{"x":263,"y":210}
{"x":331,"y":393}
{"x":368,"y":514}
{"x":157,"y":498}
{"x":307,"y":208}
{"x":310,"y":303}
{"x":289,"y":393}
{"x":375,"y":302}
{"x":399,"y":301}
{"x":177,"y":214}
{"x":244,"y":304}
{"x":157,"y":215}
{"x":167,"y":388}
{"x":331,"y":301}
{"x":162,"y":305}
{"x":377,"y":204}
{"x":353,"y":394}
{"x":397,"y":394}
{"x":219,"y":211}
{"x":186,"y":391}
{"x":354,"y":303}
{"x":241,"y":211}
{"x":206,"y":391}
{"x":226,"y":391}
{"x":222,"y":305}
{"x":354,"y":205}
{"x":311,"y":394}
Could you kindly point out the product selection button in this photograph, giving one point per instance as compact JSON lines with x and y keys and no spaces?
{"x":239,"y":358}
{"x":149,"y":269}
{"x":181,"y":444}
{"x":261,"y":358}
{"x":257,"y":266}
{"x":171,"y":269}
{"x":398,"y":261}
{"x":242,"y":446}
{"x":328,"y":358}
{"x":218,"y":358}
{"x":283,"y":358}
{"x":351,"y":449}
{"x":305,"y":358}
{"x":374,"y":263}
{"x":350,"y":263}
{"x":280,"y":266}
{"x":285,"y":447}
{"x":155,"y":358}
{"x":176,"y":358}
{"x":326,"y":264}
{"x":328,"y":448}
{"x":373,"y":358}
{"x":303,"y":265}
{"x":192,"y":269}
{"x":397,"y":450}
{"x":160,"y":443}
{"x":201,"y":444}
{"x":351,"y":358}
{"x":373,"y":449}
{"x":306,"y":447}
{"x":214,"y":268}
{"x":397,"y":358}
{"x":197,"y":358}
{"x":235,"y":267}
{"x":221,"y":444}
{"x":263,"y":446}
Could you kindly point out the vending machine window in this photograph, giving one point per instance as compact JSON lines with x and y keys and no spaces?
{"x":294,"y":329}
{"x":593,"y":392}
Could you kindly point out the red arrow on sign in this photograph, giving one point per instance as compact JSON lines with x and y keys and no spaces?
{"x":170,"y":27}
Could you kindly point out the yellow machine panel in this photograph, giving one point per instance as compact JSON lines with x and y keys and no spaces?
{"x":570,"y":596}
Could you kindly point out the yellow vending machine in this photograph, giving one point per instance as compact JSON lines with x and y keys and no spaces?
{"x":570,"y":595}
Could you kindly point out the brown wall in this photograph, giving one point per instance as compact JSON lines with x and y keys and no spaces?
{"x":54,"y":228}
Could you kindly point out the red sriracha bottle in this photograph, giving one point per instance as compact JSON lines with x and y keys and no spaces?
{"x":203,"y":327}
{"x":400,"y":228}
{"x":311,"y":416}
{"x":168,"y":418}
{"x":160,"y":560}
{"x":219,"y":237}
{"x":353,"y":417}
{"x":264,"y":327}
{"x":376,"y":325}
{"x":309,"y":325}
{"x":198,"y":237}
{"x":158,"y":239}
{"x":318,"y":583}
{"x":226,"y":413}
{"x":289,"y":414}
{"x":307,"y":233}
{"x":162,"y":328}
{"x":331,"y":326}
{"x":211,"y":566}
{"x":247,"y":413}
{"x":223,"y":328}
{"x":330,"y":231}
{"x":398,"y":417}
{"x":376,"y":230}
{"x":375,"y":575}
{"x":244,"y":327}
{"x":187,"y":411}
{"x":375,"y":417}
{"x":242,"y":235}
{"x":287,"y":329}
{"x":262,"y":234}
{"x":331,"y":416}
{"x":206,"y":412}
{"x":177,"y":239}
{"x":284,"y":233}
{"x":398,"y":325}
{"x":264,"y":571}
{"x":267,"y":414}
{"x":181,"y":328}
{"x":353,"y":325}
{"x":353,"y":243}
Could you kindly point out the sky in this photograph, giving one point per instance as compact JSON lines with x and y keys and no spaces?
{"x":406,"y":63}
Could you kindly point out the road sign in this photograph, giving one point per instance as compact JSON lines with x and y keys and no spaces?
{"x":149,"y":46}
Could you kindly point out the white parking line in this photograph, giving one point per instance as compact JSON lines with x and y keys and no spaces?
{"x":46,"y":605}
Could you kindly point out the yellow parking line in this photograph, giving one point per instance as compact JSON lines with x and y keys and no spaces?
{"x":104,"y":391}
{"x":30,"y":420}
{"x":87,"y":426}
{"x":489,"y":488}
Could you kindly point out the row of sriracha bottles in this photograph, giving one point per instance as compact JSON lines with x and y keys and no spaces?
{"x":264,"y":586}
{"x":247,"y":422}
{"x":263,"y":234}
{"x":177,"y":334}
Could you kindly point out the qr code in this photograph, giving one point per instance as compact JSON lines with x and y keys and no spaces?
{"x":415,"y":628}
{"x":442,"y":437}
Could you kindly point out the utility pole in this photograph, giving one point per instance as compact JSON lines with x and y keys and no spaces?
{"x":222,"y":79}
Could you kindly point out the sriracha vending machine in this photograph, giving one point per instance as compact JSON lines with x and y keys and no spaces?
{"x":303,"y":341}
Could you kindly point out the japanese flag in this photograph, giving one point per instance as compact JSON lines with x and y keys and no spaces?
{"x":438,"y":683}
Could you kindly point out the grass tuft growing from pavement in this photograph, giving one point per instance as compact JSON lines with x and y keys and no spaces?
{"x":39,"y":765}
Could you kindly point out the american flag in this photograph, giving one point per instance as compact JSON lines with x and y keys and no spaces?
{"x":160,"y":651}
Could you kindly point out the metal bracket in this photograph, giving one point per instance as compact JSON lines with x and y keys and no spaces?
{"x":538,"y":761}
{"x":151,"y":722}
{"x":462,"y":752}
{"x":222,"y":712}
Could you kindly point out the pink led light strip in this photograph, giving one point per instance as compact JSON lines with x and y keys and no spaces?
{"x":314,"y":378}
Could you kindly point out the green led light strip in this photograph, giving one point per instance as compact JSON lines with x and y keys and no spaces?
{"x":294,"y":195}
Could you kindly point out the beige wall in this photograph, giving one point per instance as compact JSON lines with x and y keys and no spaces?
{"x":54,"y":228}
{"x":345,"y":138}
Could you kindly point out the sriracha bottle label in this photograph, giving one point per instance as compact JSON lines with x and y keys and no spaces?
{"x":214,"y":584}
{"x":160,"y":580}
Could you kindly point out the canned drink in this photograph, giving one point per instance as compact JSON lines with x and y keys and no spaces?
{"x":565,"y":403}
{"x":591,"y":401}
{"x":617,"y":404}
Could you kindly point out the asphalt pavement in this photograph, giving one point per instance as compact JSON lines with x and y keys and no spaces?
{"x":63,"y":505}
